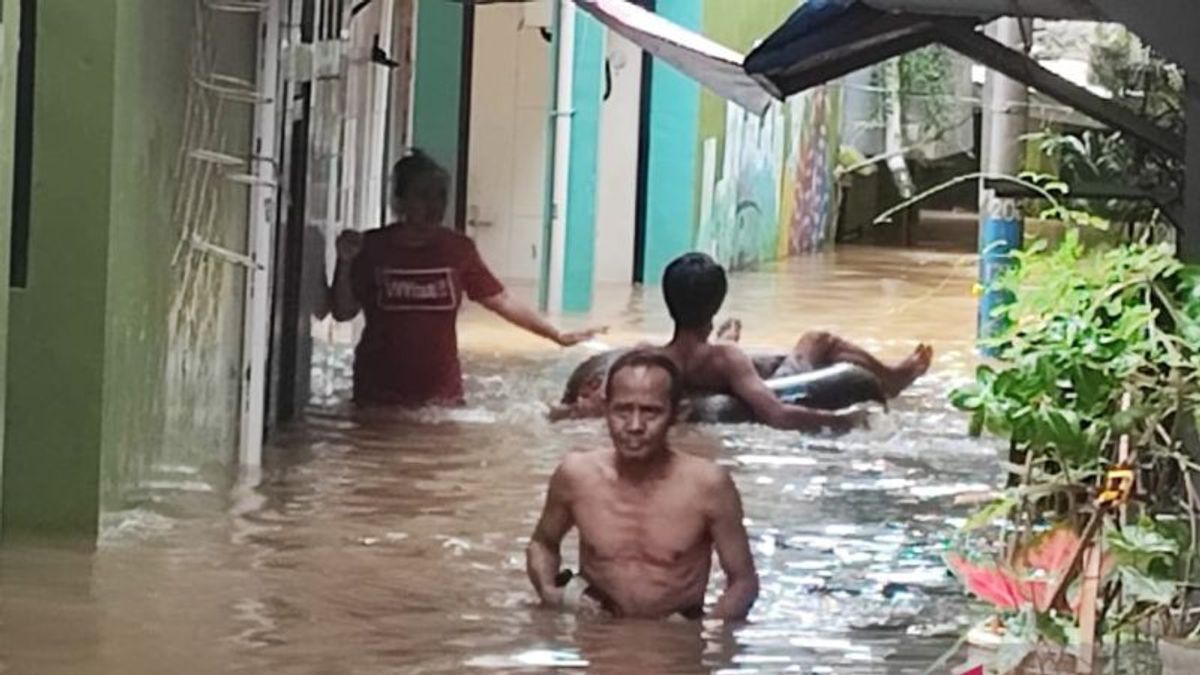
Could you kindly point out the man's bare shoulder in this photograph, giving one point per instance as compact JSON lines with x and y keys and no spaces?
{"x":722,"y":361}
{"x":582,"y":464}
{"x":702,"y":472}
{"x":729,"y":354}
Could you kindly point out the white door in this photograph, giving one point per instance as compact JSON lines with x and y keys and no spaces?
{"x":506,"y":165}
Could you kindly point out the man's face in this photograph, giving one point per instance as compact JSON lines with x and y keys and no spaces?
{"x":639,"y":411}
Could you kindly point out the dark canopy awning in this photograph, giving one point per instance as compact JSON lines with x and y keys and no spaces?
{"x":826,"y":39}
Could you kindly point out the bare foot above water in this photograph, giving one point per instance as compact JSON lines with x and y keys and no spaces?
{"x":910,"y":370}
{"x":730,"y":331}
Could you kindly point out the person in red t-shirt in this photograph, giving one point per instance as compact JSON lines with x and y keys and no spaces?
{"x":409,"y":279}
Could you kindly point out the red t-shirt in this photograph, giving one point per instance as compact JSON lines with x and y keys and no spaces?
{"x":410,"y":295}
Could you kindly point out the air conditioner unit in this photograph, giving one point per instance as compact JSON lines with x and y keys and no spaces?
{"x":537,"y":14}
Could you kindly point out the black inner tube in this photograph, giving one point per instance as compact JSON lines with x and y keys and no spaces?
{"x":832,"y":388}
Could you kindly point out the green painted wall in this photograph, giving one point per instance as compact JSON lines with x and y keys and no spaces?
{"x":672,"y":166}
{"x":174,"y":331}
{"x":125,"y":347}
{"x":772,"y":190}
{"x":587,"y":88}
{"x":57,"y":324}
{"x":436,"y":90}
{"x":10,"y":15}
{"x":739,"y":27}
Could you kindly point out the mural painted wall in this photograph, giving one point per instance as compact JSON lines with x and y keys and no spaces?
{"x":766,"y":185}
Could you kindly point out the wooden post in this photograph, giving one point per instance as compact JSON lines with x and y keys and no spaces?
{"x":1089,"y":594}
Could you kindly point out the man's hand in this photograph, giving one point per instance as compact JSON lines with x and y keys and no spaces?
{"x":849,"y":420}
{"x":589,"y":607}
{"x":570,"y":339}
{"x":552,"y":597}
{"x":349,"y":245}
{"x":584,"y":605}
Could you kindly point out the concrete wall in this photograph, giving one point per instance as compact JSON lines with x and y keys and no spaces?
{"x":766,"y":186}
{"x":743,"y":188}
{"x":125,"y":345}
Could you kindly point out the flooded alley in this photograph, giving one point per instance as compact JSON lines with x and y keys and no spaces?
{"x":397,"y":545}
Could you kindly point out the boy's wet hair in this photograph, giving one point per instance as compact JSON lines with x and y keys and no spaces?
{"x":647,"y":358}
{"x":694,"y":286}
{"x":416,"y":166}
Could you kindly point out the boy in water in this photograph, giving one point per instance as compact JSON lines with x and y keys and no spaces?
{"x":694,"y":286}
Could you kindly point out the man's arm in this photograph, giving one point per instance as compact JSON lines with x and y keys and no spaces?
{"x":747,"y":385}
{"x":543,"y":555}
{"x":733,"y":551}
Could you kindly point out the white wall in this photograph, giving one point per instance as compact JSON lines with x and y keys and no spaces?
{"x":506,"y":169}
{"x":616,"y":194}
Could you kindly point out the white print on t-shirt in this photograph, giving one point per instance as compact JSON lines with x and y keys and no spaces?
{"x":403,"y":290}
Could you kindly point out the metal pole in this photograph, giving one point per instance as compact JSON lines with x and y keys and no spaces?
{"x":1001,"y":227}
{"x":1189,"y":235}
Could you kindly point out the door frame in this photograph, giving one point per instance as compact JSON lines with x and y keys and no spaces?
{"x":263,"y":211}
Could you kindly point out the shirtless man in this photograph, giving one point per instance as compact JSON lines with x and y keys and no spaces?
{"x":648,"y":517}
{"x":694,"y":287}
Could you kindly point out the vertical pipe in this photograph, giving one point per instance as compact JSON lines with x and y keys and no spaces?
{"x":559,"y":156}
{"x":1001,"y":227}
{"x":894,"y":131}
{"x":548,"y":183}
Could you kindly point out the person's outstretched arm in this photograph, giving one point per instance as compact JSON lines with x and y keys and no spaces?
{"x":733,"y":551}
{"x":523,"y":316}
{"x":746,"y":384}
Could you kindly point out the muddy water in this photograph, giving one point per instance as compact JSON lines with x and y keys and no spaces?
{"x":396,"y":545}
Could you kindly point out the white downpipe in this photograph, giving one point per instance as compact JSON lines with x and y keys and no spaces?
{"x":563,"y":113}
{"x":376,"y":174}
{"x":894,"y":131}
{"x":256,"y":332}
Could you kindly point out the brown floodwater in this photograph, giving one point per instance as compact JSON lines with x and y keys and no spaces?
{"x":395,"y":544}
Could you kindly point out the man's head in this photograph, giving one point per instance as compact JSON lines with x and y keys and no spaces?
{"x":643,"y":392}
{"x":694,"y":286}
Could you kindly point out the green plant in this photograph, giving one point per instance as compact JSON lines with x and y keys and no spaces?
{"x":1098,"y":376}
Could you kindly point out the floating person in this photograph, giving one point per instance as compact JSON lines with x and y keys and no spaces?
{"x":408,"y":279}
{"x":824,"y":372}
{"x":648,"y":517}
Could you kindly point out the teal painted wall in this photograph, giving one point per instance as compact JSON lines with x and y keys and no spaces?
{"x":587,"y":87}
{"x":436,"y":90}
{"x":672,"y":165}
